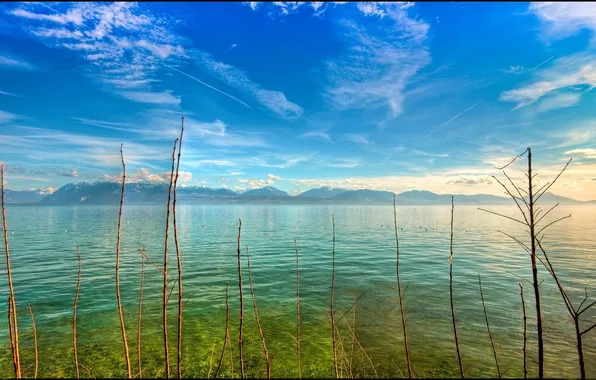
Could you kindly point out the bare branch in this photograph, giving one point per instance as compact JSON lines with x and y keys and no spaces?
{"x":550,"y":224}
{"x":513,"y":160}
{"x":501,"y":215}
{"x":553,"y":182}
{"x":543,"y":216}
{"x":151,"y":261}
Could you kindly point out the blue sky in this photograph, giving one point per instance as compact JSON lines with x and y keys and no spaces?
{"x":390,"y":96}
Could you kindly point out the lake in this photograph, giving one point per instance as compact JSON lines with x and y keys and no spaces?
{"x":43,"y":255}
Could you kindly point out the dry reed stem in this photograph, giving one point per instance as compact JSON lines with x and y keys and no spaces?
{"x":241,"y":330}
{"x":151,"y":261}
{"x":14,"y":329}
{"x":353,"y":337}
{"x":34,"y":340}
{"x":331,"y":302}
{"x":74,"y":313}
{"x":490,"y":337}
{"x":461,"y":370}
{"x":227,"y":331}
{"x":535,"y":269}
{"x":165,"y":272}
{"x":401,"y":299}
{"x":140,"y":317}
{"x":120,"y":313}
{"x":363,"y":350}
{"x":256,"y":310}
{"x":11,"y":333}
{"x":298,"y":317}
{"x":521,"y":292}
{"x":179,"y":361}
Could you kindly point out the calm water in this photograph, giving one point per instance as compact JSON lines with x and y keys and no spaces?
{"x":43,"y":252}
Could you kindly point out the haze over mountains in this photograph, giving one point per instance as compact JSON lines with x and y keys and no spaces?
{"x":99,"y":193}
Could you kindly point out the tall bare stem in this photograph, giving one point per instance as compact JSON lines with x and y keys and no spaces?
{"x":461,"y":369}
{"x":241,"y":330}
{"x":331,"y":303}
{"x":298,"y":317}
{"x":140,"y":317}
{"x":119,"y":299}
{"x":179,"y":362}
{"x":15,"y":329}
{"x":34,"y":340}
{"x":490,"y":336}
{"x":226,"y":336}
{"x":74,"y":313}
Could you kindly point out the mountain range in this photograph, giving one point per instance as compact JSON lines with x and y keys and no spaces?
{"x":148,"y":193}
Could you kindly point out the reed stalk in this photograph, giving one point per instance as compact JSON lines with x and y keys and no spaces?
{"x":459,"y":362}
{"x":256,"y":310}
{"x":179,"y":262}
{"x":400,"y":294}
{"x":140,"y":317}
{"x":34,"y":340}
{"x":165,"y":272}
{"x":14,"y":329}
{"x":74,"y":313}
{"x":227,"y":334}
{"x":331,"y":302}
{"x":120,"y":313}
{"x":241,"y":329}
{"x":521,"y":292}
{"x":298,"y":317}
{"x":490,"y":337}
{"x":11,"y":333}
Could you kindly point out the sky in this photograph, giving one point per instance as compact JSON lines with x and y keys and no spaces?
{"x":386,"y":96}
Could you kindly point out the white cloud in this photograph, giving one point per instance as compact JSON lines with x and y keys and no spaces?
{"x":123,"y":44}
{"x":575,"y":70}
{"x":563,"y":19}
{"x":585,"y":153}
{"x":470,"y":180}
{"x":144,"y":175}
{"x":516,"y":70}
{"x":374,"y":71}
{"x":316,"y":134}
{"x":357,"y":138}
{"x":15,"y":63}
{"x":559,"y":101}
{"x":5,"y":117}
{"x":571,"y":136}
{"x":11,"y":94}
{"x":152,"y":97}
{"x":275,"y":101}
{"x":256,"y":183}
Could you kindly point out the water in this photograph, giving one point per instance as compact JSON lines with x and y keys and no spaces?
{"x":43,"y":254}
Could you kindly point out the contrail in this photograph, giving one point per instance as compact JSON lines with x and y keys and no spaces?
{"x":542,"y":63}
{"x":211,"y":87}
{"x":453,"y":118}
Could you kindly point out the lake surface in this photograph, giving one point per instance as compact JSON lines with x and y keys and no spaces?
{"x":43,"y":255}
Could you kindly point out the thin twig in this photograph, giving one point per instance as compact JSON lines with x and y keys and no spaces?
{"x":14,"y":329}
{"x":227,"y":332}
{"x":211,"y":359}
{"x":120,"y":313}
{"x":540,"y":194}
{"x":362,"y":350}
{"x":513,"y":160}
{"x":400,"y":296}
{"x":331,"y":312}
{"x":165,"y":272}
{"x":11,"y":332}
{"x":140,"y":316}
{"x":353,"y":338}
{"x":461,"y":370}
{"x":501,"y":215}
{"x":179,"y":362}
{"x":298,"y":318}
{"x":256,"y":310}
{"x":241,"y":330}
{"x":74,"y":313}
{"x":34,"y":340}
{"x":521,"y":292}
{"x":490,"y":336}
{"x":151,"y":261}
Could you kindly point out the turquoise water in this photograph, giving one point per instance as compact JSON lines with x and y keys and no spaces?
{"x":43,"y":254}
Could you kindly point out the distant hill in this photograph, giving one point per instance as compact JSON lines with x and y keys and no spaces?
{"x":321,"y":192}
{"x":267,"y":192}
{"x":23,"y":196}
{"x":149,"y":193}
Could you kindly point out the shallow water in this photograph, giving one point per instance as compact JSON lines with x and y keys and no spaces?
{"x":43,"y":254}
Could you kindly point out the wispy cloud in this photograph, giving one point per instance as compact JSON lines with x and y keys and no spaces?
{"x":104,"y":124}
{"x":380,"y":61}
{"x":6,"y":117}
{"x":453,"y":118}
{"x":517,"y":70}
{"x":15,"y":63}
{"x":316,"y":134}
{"x":562,"y":19}
{"x":585,"y":153}
{"x":211,"y":87}
{"x":275,"y":101}
{"x":11,"y":94}
{"x":559,"y":101}
{"x":123,"y":44}
{"x":575,"y":70}
{"x":144,"y":175}
{"x":358,"y":138}
{"x":165,"y":97}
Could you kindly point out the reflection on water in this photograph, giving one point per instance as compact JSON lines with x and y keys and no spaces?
{"x":43,"y":251}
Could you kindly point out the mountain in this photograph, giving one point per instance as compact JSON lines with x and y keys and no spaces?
{"x":321,"y":192}
{"x":24,"y":196}
{"x":267,"y":192}
{"x":364,"y":196}
{"x":100,"y":193}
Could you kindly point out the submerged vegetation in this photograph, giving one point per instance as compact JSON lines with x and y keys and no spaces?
{"x":346,"y":356}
